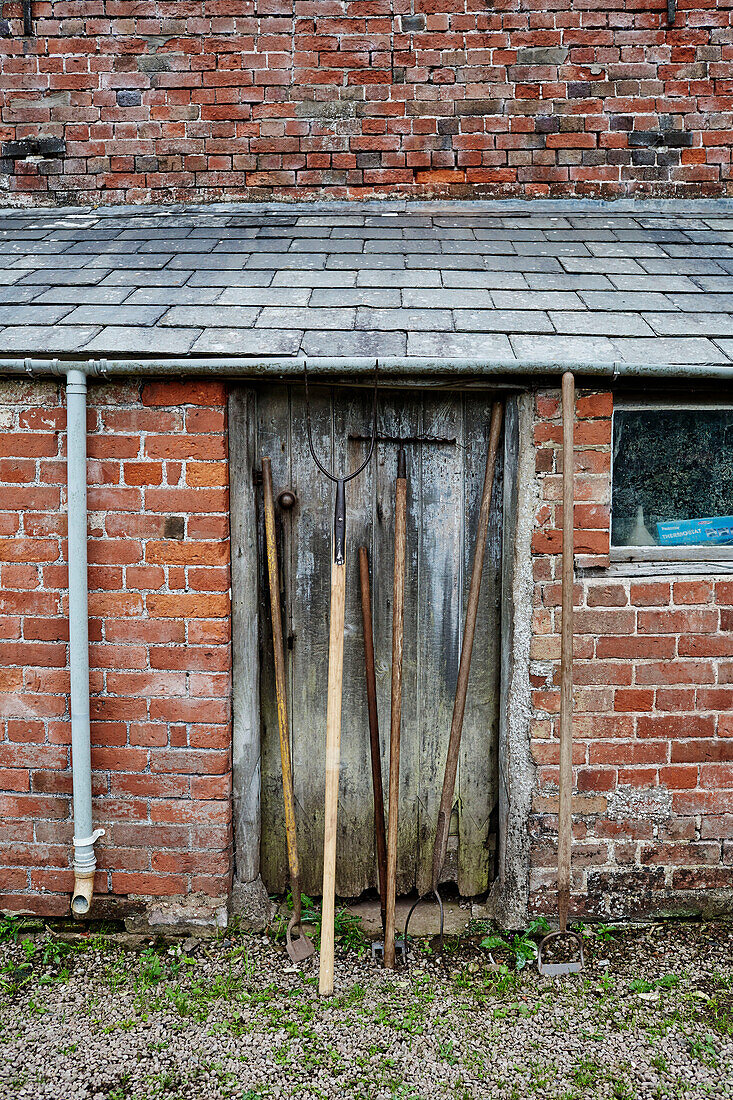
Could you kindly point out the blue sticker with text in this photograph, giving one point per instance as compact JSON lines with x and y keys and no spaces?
{"x":713,"y":531}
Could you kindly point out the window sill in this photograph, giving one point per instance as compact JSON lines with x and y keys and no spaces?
{"x":661,"y":561}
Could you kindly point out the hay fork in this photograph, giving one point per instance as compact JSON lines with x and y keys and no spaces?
{"x":335,"y":689}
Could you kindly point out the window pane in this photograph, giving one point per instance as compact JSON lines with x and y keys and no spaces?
{"x":672,"y":478}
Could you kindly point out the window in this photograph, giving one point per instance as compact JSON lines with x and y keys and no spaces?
{"x":672,"y":483}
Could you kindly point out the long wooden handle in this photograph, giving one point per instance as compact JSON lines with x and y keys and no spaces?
{"x":371,"y":686}
{"x":464,"y":668}
{"x":398,"y":615}
{"x":280,"y":685}
{"x":564,"y":834}
{"x":333,"y":755}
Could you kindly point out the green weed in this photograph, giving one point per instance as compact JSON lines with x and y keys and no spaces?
{"x":347,"y":927}
{"x":667,"y":981}
{"x":704,"y":1049}
{"x":521,"y":947}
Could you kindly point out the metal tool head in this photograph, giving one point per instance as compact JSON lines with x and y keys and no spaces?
{"x":560,"y":969}
{"x":330,"y":474}
{"x":301,"y":947}
{"x":399,"y":946}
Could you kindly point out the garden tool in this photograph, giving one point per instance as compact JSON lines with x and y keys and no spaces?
{"x":440,"y":847}
{"x":300,"y":947}
{"x":564,"y":820}
{"x":371,"y":685}
{"x":335,"y":688}
{"x":398,"y":618}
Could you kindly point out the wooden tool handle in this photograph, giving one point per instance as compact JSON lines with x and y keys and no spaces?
{"x":564,"y":829}
{"x":464,"y":668}
{"x":398,"y":614}
{"x":280,"y":684}
{"x":371,"y":686}
{"x":333,"y":755}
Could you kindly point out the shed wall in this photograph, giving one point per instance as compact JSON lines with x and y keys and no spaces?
{"x":160,"y":643}
{"x":653,"y":676}
{"x":653,"y":821}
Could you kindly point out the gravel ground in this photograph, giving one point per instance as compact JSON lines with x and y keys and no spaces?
{"x":650,"y":1016}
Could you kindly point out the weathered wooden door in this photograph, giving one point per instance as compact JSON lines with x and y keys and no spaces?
{"x":444,"y":486}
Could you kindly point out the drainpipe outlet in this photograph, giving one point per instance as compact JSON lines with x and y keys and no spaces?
{"x":85,"y":863}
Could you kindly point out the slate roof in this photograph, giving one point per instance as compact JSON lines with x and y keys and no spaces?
{"x":643,"y":283}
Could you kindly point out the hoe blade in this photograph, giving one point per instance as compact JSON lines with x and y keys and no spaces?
{"x":299,"y":948}
{"x":560,"y":969}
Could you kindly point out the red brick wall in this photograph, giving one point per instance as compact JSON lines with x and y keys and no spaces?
{"x":159,"y":629}
{"x":653,"y":805}
{"x":134,"y":101}
{"x":653,"y":675}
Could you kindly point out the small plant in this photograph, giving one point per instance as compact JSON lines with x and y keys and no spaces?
{"x":704,"y":1049}
{"x":522,"y":945}
{"x":586,"y":1072}
{"x":447,"y":1052}
{"x":10,"y":927}
{"x":667,"y":981}
{"x":660,"y":1063}
{"x":347,"y":927}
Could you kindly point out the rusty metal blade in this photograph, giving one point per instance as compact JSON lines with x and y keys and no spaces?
{"x":299,"y":948}
{"x":559,"y":969}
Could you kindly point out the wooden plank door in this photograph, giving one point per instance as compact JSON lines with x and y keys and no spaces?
{"x":444,"y":486}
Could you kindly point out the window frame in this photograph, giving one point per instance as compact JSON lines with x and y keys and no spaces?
{"x":707,"y":559}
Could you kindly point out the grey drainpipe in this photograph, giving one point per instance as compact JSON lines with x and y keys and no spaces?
{"x":85,"y":861}
{"x":85,"y":836}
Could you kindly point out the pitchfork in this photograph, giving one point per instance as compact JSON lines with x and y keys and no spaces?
{"x":335,"y":688}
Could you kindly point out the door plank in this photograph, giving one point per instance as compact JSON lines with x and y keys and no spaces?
{"x":477,"y":787}
{"x":273,"y":440}
{"x":245,"y":641}
{"x":309,"y":596}
{"x":400,"y":415}
{"x":439,"y":618}
{"x":355,"y":860}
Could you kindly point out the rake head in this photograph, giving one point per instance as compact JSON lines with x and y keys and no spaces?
{"x":560,"y":969}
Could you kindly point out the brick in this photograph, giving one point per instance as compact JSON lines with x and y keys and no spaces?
{"x":633,"y":699}
{"x":674,"y":727}
{"x":702,"y":750}
{"x":607,"y":595}
{"x":675,"y":622}
{"x":678,"y":776}
{"x":652,"y":593}
{"x":692,"y":592}
{"x":185,"y":606}
{"x":184,"y":393}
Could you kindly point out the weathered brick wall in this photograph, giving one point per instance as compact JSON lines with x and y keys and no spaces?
{"x":653,"y":675}
{"x":136,"y":101}
{"x":159,"y":629}
{"x":653,"y":802}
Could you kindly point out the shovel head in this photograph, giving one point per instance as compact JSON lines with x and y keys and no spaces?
{"x":560,"y":969}
{"x":299,"y":948}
